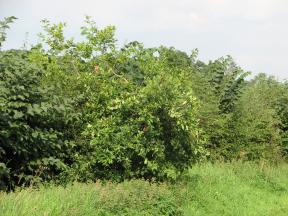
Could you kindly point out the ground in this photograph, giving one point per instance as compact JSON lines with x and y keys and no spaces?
{"x":207,"y":189}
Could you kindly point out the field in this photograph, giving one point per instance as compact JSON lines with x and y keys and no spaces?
{"x":207,"y":189}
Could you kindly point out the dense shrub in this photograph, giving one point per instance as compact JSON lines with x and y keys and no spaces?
{"x":32,"y":121}
{"x":138,"y":130}
{"x":139,"y":115}
{"x":150,"y":131}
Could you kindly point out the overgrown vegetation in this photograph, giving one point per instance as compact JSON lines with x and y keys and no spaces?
{"x":88,"y":110}
{"x":218,"y":189}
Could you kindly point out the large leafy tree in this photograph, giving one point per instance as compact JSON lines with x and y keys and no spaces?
{"x":257,"y":120}
{"x":219,"y":85}
{"x":227,"y":80}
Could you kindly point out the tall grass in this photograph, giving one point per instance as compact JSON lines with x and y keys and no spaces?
{"x":208,"y":189}
{"x":238,"y":189}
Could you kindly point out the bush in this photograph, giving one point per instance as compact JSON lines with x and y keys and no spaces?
{"x":149,"y":130}
{"x":33,"y":120}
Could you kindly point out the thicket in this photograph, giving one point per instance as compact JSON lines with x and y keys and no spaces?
{"x":87,"y":110}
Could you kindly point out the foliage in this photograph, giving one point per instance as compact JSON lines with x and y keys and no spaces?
{"x":226,"y":79}
{"x":87,"y":110}
{"x":32,"y":122}
{"x":4,"y":25}
{"x":139,"y":115}
{"x":257,"y":125}
{"x":150,"y":131}
{"x":219,"y":85}
{"x":275,"y":96}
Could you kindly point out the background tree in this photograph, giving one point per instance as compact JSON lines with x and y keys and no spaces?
{"x":4,"y":25}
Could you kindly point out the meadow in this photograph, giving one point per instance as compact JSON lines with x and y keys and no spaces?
{"x":207,"y":189}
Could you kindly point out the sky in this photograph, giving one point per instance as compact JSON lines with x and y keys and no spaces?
{"x":253,"y":32}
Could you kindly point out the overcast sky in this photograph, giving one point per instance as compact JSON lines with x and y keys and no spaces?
{"x":254,"y":32}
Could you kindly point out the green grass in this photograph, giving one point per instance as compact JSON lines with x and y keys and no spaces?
{"x":219,"y":189}
{"x":238,"y":189}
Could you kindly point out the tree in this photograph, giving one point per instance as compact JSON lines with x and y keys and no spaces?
{"x":257,"y":125}
{"x":4,"y":25}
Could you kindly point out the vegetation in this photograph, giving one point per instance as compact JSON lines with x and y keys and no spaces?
{"x":208,"y":189}
{"x":88,"y":111}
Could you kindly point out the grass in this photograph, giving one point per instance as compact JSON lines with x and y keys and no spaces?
{"x":208,"y":189}
{"x":238,"y":189}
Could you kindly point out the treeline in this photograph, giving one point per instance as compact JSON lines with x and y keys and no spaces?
{"x":88,"y":110}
